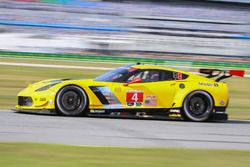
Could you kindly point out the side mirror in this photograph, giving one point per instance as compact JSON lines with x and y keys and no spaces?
{"x":136,"y":80}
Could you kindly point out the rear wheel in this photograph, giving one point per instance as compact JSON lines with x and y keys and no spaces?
{"x":71,"y":101}
{"x":198,"y":106}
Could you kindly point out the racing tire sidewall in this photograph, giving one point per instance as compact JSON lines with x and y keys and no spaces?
{"x":80,"y":110}
{"x":208,"y":100}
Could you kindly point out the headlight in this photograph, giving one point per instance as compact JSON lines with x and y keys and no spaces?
{"x":46,"y":87}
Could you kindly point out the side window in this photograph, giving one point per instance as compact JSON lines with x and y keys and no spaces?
{"x":170,"y":75}
{"x":167,"y":75}
{"x":156,"y":75}
{"x":153,"y":76}
{"x":135,"y":75}
{"x":146,"y":76}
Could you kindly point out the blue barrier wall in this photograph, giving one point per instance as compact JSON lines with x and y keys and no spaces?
{"x":17,"y":23}
{"x":65,"y":26}
{"x":65,"y":2}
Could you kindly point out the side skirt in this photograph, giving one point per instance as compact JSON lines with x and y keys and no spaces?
{"x":172,"y":114}
{"x":38,"y":111}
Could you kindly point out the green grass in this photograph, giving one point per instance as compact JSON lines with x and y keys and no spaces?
{"x":13,"y":79}
{"x":239,"y":91}
{"x":48,"y":155}
{"x":60,"y":62}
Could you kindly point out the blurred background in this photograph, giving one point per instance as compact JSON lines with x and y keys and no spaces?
{"x":46,"y":39}
{"x":179,"y":33}
{"x":207,"y":30}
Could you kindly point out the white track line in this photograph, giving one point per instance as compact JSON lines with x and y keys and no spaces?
{"x":67,"y":66}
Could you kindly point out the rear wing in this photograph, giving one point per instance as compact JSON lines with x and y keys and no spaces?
{"x":221,"y":74}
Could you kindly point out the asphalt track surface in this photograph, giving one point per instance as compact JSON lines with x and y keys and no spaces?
{"x":18,"y":127}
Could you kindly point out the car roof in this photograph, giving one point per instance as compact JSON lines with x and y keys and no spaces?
{"x":158,"y":68}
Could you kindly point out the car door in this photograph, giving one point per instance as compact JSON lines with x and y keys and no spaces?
{"x":146,"y":89}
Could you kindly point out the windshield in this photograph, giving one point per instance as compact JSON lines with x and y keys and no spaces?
{"x":117,"y":75}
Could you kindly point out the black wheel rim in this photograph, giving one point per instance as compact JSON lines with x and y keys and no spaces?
{"x":71,"y":100}
{"x":197,"y":106}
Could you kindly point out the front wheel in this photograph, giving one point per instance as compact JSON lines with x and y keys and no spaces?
{"x":71,"y":101}
{"x":198,"y":106}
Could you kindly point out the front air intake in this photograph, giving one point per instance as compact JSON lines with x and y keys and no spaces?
{"x":24,"y":101}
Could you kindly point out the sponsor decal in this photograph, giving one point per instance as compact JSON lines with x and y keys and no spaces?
{"x":138,"y":104}
{"x":119,"y":113}
{"x":42,"y":99}
{"x":118,"y":89}
{"x":174,"y":111}
{"x":130,"y":104}
{"x":106,"y":96}
{"x":150,"y":100}
{"x":140,"y":114}
{"x":134,"y":98}
{"x":178,"y":76}
{"x":97,"y":111}
{"x":205,"y":84}
{"x":175,"y":115}
{"x":208,"y":84}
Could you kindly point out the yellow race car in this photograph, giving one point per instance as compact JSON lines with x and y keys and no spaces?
{"x":133,"y":91}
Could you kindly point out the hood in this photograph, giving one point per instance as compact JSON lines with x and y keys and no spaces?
{"x":59,"y":80}
{"x":46,"y":84}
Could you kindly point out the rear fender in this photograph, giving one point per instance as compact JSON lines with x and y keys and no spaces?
{"x":218,"y":91}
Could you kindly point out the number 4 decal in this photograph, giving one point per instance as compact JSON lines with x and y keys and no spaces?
{"x":134,"y":96}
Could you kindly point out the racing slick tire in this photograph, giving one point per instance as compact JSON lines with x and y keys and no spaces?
{"x":71,"y":101}
{"x":198,"y":106}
